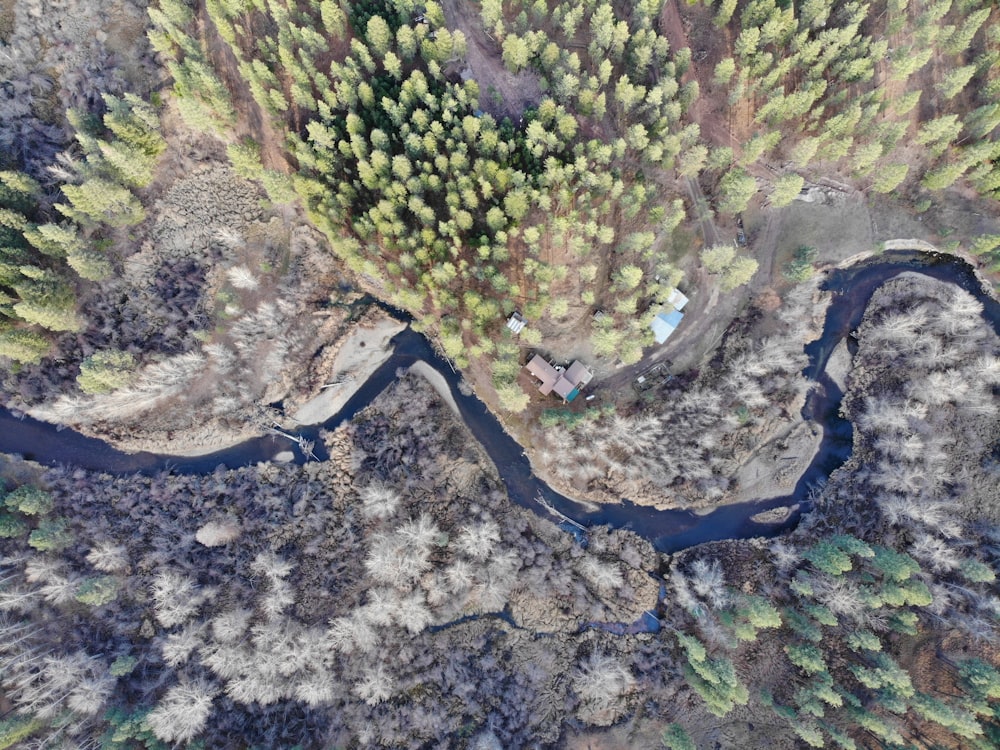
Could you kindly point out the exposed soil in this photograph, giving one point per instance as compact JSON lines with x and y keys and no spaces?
{"x":692,"y":27}
{"x":501,"y":93}
{"x":252,"y":122}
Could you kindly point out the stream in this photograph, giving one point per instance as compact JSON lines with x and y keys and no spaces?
{"x":668,"y":530}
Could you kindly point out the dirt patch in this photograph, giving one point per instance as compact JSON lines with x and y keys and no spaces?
{"x":775,"y":467}
{"x":501,"y":93}
{"x":692,"y":27}
{"x":252,"y":122}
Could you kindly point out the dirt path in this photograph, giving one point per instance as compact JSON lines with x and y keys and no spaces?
{"x":694,"y":29}
{"x":501,"y":93}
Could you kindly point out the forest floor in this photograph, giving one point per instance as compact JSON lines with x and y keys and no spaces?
{"x":501,"y":93}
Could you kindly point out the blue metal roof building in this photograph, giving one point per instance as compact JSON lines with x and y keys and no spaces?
{"x":665,"y":324}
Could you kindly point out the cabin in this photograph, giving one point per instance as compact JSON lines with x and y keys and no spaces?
{"x":564,"y":382}
{"x":667,"y":320}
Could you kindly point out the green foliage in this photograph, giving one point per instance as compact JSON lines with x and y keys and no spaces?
{"x":123,"y":665}
{"x":752,"y":614}
{"x":46,"y":300}
{"x":23,"y":345}
{"x":736,"y":188}
{"x":101,"y":201}
{"x":15,"y":729}
{"x":829,"y":557}
{"x":977,"y":572}
{"x":863,"y":640}
{"x":716,"y":682}
{"x":129,"y":729}
{"x":513,"y":398}
{"x":800,"y":268}
{"x":806,"y":657}
{"x":29,"y":500}
{"x":674,"y":737}
{"x":981,"y":679}
{"x":628,"y":278}
{"x":893,"y":565}
{"x":97,"y":591}
{"x":106,"y":371}
{"x":954,"y":81}
{"x":52,"y":535}
{"x":786,"y":188}
{"x":889,"y":177}
{"x":717,"y":258}
{"x":245,"y":158}
{"x":12,"y":526}
{"x":134,"y":151}
{"x":739,"y":272}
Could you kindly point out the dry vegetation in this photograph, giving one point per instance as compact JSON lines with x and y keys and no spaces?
{"x":393,"y":582}
{"x":393,"y":597}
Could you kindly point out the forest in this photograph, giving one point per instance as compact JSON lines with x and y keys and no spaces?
{"x":393,"y":597}
{"x":200,"y":201}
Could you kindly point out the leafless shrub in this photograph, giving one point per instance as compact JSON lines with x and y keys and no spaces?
{"x":242,"y":277}
{"x":375,"y":686}
{"x":176,"y":598}
{"x":272,"y":566}
{"x":381,"y":607}
{"x":478,"y":541}
{"x":353,"y":633}
{"x":316,"y":689}
{"x":109,"y":557}
{"x":182,"y":713}
{"x":378,"y":500}
{"x":602,"y":683}
{"x":230,"y":626}
{"x":709,"y":582}
{"x":218,"y":533}
{"x":178,"y":647}
{"x":605,"y":576}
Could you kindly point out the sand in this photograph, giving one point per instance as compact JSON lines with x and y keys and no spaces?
{"x":438,"y":383}
{"x":772,"y":471}
{"x":360,"y":354}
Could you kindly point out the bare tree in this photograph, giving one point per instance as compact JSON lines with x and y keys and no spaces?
{"x":183,"y":712}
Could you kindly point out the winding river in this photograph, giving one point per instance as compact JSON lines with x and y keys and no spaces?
{"x":669,"y":530}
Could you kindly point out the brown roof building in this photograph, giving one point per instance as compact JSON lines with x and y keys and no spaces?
{"x":564,"y":383}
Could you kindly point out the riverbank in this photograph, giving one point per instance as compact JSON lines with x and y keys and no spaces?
{"x":347,"y":365}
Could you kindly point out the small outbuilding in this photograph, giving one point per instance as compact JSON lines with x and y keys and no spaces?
{"x":677,"y":299}
{"x":665,"y":323}
{"x":516,"y":323}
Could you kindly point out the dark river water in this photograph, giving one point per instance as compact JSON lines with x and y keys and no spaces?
{"x":669,"y":530}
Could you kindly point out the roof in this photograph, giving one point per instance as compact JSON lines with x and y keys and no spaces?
{"x":566,"y":384}
{"x":665,"y":324}
{"x":516,"y":323}
{"x":579,"y":373}
{"x":677,"y":299}
{"x":545,"y":372}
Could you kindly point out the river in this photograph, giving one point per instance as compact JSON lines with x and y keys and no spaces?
{"x":668,"y":530}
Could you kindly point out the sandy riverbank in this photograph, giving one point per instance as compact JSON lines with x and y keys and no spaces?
{"x":360,"y":354}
